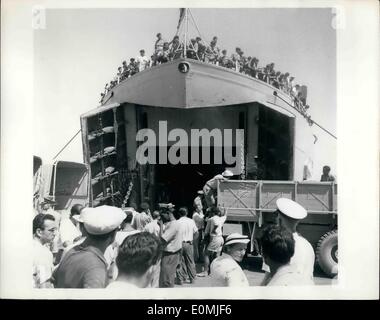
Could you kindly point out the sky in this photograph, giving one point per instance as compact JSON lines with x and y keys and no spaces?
{"x":80,"y":50}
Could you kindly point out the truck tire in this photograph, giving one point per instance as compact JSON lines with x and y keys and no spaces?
{"x":327,"y":253}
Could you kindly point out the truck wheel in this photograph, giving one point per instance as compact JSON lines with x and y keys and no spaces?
{"x":327,"y":253}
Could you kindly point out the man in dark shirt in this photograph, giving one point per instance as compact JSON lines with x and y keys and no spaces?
{"x":84,"y":266}
{"x":326,"y":176}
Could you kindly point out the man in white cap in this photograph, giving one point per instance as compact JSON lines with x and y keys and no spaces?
{"x":289,"y":213}
{"x":84,"y":266}
{"x":210,"y":189}
{"x":225,"y":270}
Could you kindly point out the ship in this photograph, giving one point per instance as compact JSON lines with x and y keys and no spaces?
{"x":187,"y":93}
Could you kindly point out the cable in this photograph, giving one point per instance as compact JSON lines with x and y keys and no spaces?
{"x":60,"y":151}
{"x":196,"y":26}
{"x":311,"y":120}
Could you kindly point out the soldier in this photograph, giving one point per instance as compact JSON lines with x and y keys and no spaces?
{"x":212,"y":53}
{"x":192,"y":50}
{"x":286,"y":82}
{"x":101,"y":97}
{"x":291,"y":85}
{"x":152,"y":60}
{"x":132,"y":67}
{"x":253,"y":67}
{"x":326,"y":176}
{"x":119,"y":74}
{"x":142,"y":61}
{"x":281,"y":82}
{"x":159,"y":45}
{"x":236,"y":59}
{"x":242,"y":61}
{"x":276,"y":80}
{"x":125,"y":74}
{"x":174,"y":48}
{"x":106,"y":88}
{"x":201,"y":48}
{"x":224,"y":59}
{"x":165,"y":53}
{"x":210,"y":188}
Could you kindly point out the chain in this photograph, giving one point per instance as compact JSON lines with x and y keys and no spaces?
{"x":128,"y":194}
{"x":242,"y":162}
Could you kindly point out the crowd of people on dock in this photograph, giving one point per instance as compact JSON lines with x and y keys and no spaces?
{"x":197,"y":49}
{"x":127,"y":248}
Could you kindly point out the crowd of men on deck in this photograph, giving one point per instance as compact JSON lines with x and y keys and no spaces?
{"x":125,"y":248}
{"x":197,"y":49}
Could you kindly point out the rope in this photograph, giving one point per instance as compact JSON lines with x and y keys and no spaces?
{"x":64,"y":147}
{"x":311,"y":120}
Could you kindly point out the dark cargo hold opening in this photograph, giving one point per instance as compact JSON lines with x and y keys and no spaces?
{"x":179,"y":183}
{"x":275,"y":147}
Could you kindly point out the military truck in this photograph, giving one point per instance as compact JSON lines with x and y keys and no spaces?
{"x":250,"y":205}
{"x":64,"y":182}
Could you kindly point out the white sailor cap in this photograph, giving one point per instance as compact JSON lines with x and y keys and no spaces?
{"x":102,"y":219}
{"x":227,"y":173}
{"x":291,"y":209}
{"x":236,"y":238}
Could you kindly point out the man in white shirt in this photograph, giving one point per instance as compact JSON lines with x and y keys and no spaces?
{"x":138,"y":257}
{"x":188,"y":230}
{"x":111,"y":252}
{"x":289,"y":214}
{"x":278,"y":247}
{"x":142,"y":218}
{"x":199,"y":220}
{"x":68,"y":231}
{"x":225,"y":269}
{"x":171,"y":256}
{"x":44,"y":231}
{"x":143,"y":61}
{"x":153,"y":227}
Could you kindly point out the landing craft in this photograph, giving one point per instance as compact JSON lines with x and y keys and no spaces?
{"x":191,"y":94}
{"x":277,"y":136}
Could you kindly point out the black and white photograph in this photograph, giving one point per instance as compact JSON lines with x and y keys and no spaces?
{"x":191,"y":149}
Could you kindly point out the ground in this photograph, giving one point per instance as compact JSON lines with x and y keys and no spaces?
{"x":252,"y":269}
